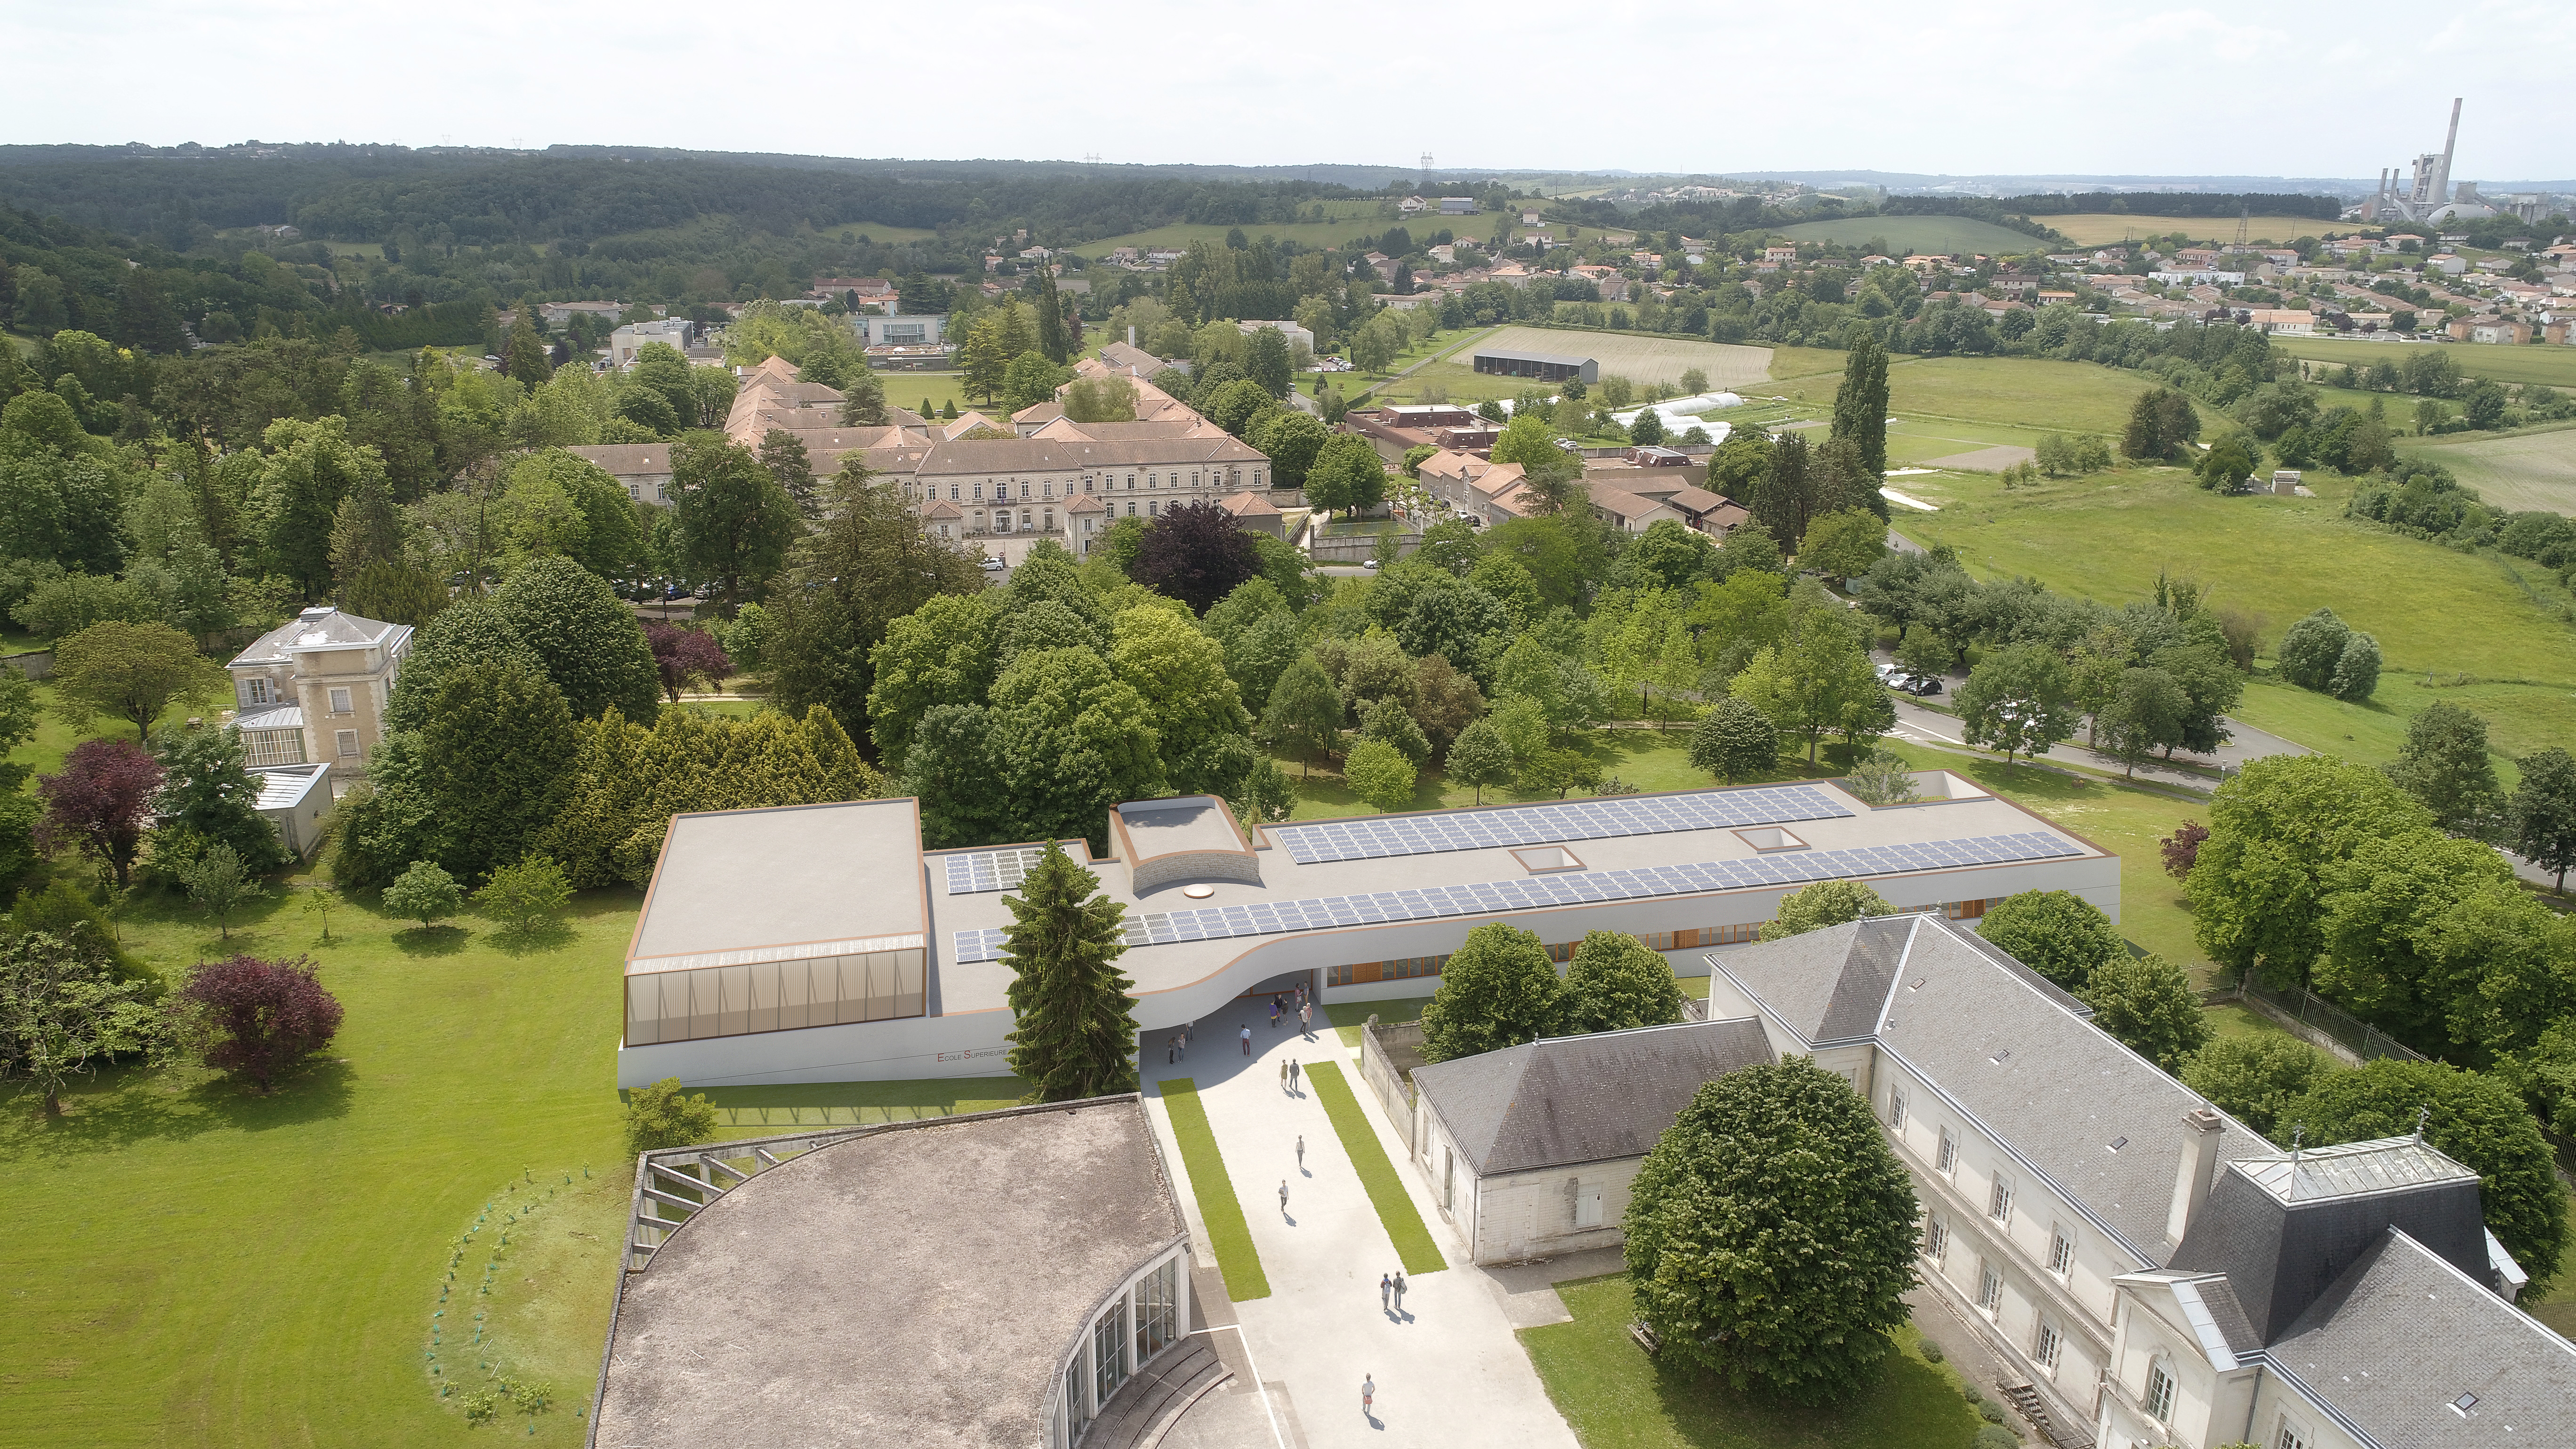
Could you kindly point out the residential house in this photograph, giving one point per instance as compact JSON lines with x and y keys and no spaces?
{"x":1487,"y":492}
{"x":629,"y":341}
{"x":1410,"y":205}
{"x":1625,"y":511}
{"x":1529,"y":216}
{"x":1780,"y":255}
{"x":642,"y":469}
{"x":1297,"y":336}
{"x":313,"y":690}
{"x":1127,"y":361}
{"x":2447,"y":263}
{"x":1530,"y":1151}
{"x":2508,"y":331}
{"x":2282,"y":321}
{"x":871,"y":291}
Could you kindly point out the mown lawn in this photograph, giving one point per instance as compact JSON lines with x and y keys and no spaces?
{"x":1395,"y":1210}
{"x":1615,"y":1397}
{"x":2011,"y":391}
{"x":1229,"y":1237}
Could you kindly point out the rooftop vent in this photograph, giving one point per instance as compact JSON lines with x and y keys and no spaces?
{"x":2463,"y":1404}
{"x":2001,"y":1057}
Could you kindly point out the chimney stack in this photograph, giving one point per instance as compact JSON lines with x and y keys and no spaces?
{"x":2201,"y":1127}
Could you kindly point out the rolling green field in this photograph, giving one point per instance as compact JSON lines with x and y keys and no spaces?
{"x":2015,"y":392}
{"x":1350,"y":221}
{"x":2096,"y":229}
{"x":2529,"y":470}
{"x":1910,"y":234}
{"x":2555,"y":366}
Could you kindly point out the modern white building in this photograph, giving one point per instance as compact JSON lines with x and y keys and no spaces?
{"x":908,"y":330}
{"x":822,"y":943}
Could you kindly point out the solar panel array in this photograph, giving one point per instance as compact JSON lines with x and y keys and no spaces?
{"x":991,"y":870}
{"x":1563,"y":888}
{"x":1375,"y":838}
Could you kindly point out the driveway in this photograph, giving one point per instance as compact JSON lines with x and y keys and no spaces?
{"x":1449,"y":1371}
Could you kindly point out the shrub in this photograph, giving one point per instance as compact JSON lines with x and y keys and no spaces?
{"x":258,"y":1018}
{"x":524,"y":893}
{"x":1380,"y":774}
{"x":660,"y":1116}
{"x":424,"y":893}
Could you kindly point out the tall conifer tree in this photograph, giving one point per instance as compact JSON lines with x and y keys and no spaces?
{"x":1860,"y":405}
{"x":1075,"y":1023}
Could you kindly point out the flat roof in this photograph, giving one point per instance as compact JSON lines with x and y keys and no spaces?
{"x":733,"y":882}
{"x":914,"y":1286}
{"x":1167,"y":962}
{"x":1511,"y":355}
{"x":1185,"y":824}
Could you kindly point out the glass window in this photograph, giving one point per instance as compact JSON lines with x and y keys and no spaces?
{"x":1948,"y":1161}
{"x":2061,"y":1253}
{"x":1990,"y":1289}
{"x":2044,"y":1352}
{"x":1109,"y":1351}
{"x":2160,"y":1395}
{"x":348,"y":744}
{"x":1896,"y":1111}
{"x":1936,"y":1241}
{"x":1157,"y":1310}
{"x":260,"y":693}
{"x":979,"y":492}
{"x":2289,"y":1438}
{"x":1077,"y":1404}
{"x":340,"y":702}
{"x":1999,"y":1199}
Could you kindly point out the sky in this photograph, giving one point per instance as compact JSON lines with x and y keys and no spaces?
{"x":1974,"y":87}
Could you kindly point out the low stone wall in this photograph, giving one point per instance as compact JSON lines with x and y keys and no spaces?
{"x":1351,"y":548}
{"x":1388,"y":1055}
{"x":35,"y":663}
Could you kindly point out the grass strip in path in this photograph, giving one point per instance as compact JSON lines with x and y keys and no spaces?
{"x":1413,"y":1245}
{"x":1219,"y":1208}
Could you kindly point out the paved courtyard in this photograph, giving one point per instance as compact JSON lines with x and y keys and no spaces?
{"x":1448,"y":1371}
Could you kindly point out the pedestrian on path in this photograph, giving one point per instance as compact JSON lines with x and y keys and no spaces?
{"x":1301,"y":1152}
{"x":1275,"y":1010}
{"x":1283,"y":1076}
{"x":1296,"y":1075}
{"x":1185,"y":1043}
{"x":1399,"y":1292}
{"x":1283,"y":1197}
{"x":1368,"y":1396}
{"x":1385,"y":1285}
{"x":1247,"y":1041}
{"x":1306,"y":1022}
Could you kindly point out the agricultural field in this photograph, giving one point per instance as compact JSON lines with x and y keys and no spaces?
{"x":1351,"y":220}
{"x":2103,"y":228}
{"x":2555,"y":366}
{"x":2527,"y":470}
{"x":1907,"y":234}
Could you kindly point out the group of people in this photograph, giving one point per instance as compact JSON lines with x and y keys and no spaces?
{"x":1282,"y":1004}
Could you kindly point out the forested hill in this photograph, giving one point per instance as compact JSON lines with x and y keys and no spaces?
{"x":480,"y":198}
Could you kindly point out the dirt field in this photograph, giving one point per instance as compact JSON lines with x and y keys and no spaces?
{"x":1640,"y":357}
{"x":2536,"y":470}
{"x":1985,"y":460}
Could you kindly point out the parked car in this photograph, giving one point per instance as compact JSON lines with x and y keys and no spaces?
{"x":1370,"y":564}
{"x":993,"y":565}
{"x":1917,"y":684}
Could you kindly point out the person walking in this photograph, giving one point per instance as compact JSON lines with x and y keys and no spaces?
{"x":1301,"y":1152}
{"x":1283,"y":1197}
{"x":1399,"y":1292}
{"x":1296,"y":1074}
{"x":1283,"y":1077}
{"x":1185,"y":1043}
{"x":1247,"y":1041}
{"x":1274,"y":1013}
{"x":1385,"y":1285}
{"x":1368,"y":1396}
{"x":1306,"y":1022}
{"x":1172,"y":1049}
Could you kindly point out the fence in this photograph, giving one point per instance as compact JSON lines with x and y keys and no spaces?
{"x":2324,"y":1024}
{"x":1388,"y":1055}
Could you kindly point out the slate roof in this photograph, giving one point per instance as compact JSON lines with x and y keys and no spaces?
{"x":627,"y":460}
{"x":2281,"y":1254}
{"x":1576,"y":1099}
{"x":1132,"y":361}
{"x":322,"y":627}
{"x":2402,"y":1335}
{"x":2004,"y":1044}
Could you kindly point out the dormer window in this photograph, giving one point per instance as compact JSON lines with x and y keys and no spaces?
{"x":258,"y":690}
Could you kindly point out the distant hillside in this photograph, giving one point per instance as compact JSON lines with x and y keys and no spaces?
{"x":1905,"y":234}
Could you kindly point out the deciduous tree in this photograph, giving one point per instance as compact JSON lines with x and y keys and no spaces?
{"x":584,"y":636}
{"x":1771,"y":1235}
{"x":1478,"y":757}
{"x":100,"y":803}
{"x":1497,"y":990}
{"x":61,"y":1009}
{"x":1826,"y":903}
{"x":1074,"y":739}
{"x":1304,"y":714}
{"x":525,"y":892}
{"x":735,"y":523}
{"x":2444,"y":764}
{"x":132,"y":671}
{"x":258,"y":1018}
{"x":2018,"y":700}
{"x":666,"y":1114}
{"x":2255,"y":1078}
{"x":1614,"y":983}
{"x":2148,"y":1005}
{"x":424,"y":893}
{"x":2058,"y":934}
{"x":1735,"y":741}
{"x":685,"y":656}
{"x":1379,"y":773}
{"x":2278,"y":831}
{"x":2542,"y":812}
{"x":2145,"y":716}
{"x":1196,"y":554}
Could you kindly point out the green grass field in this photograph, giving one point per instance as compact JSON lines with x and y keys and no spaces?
{"x":1395,"y":1210}
{"x":2096,"y":229}
{"x":2526,"y":470}
{"x":1911,"y":234}
{"x":1348,"y":1017}
{"x":1351,"y":221}
{"x":2106,"y":537}
{"x":2555,"y":366}
{"x":1228,"y":1236}
{"x":2023,"y":393}
{"x":1615,"y":1397}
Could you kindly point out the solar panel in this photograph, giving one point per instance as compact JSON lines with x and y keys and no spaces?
{"x":978,"y":946}
{"x":991,"y":870}
{"x":1377,"y":839}
{"x":1566,"y":888}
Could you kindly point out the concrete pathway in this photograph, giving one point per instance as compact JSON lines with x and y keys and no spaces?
{"x":1449,"y":1371}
